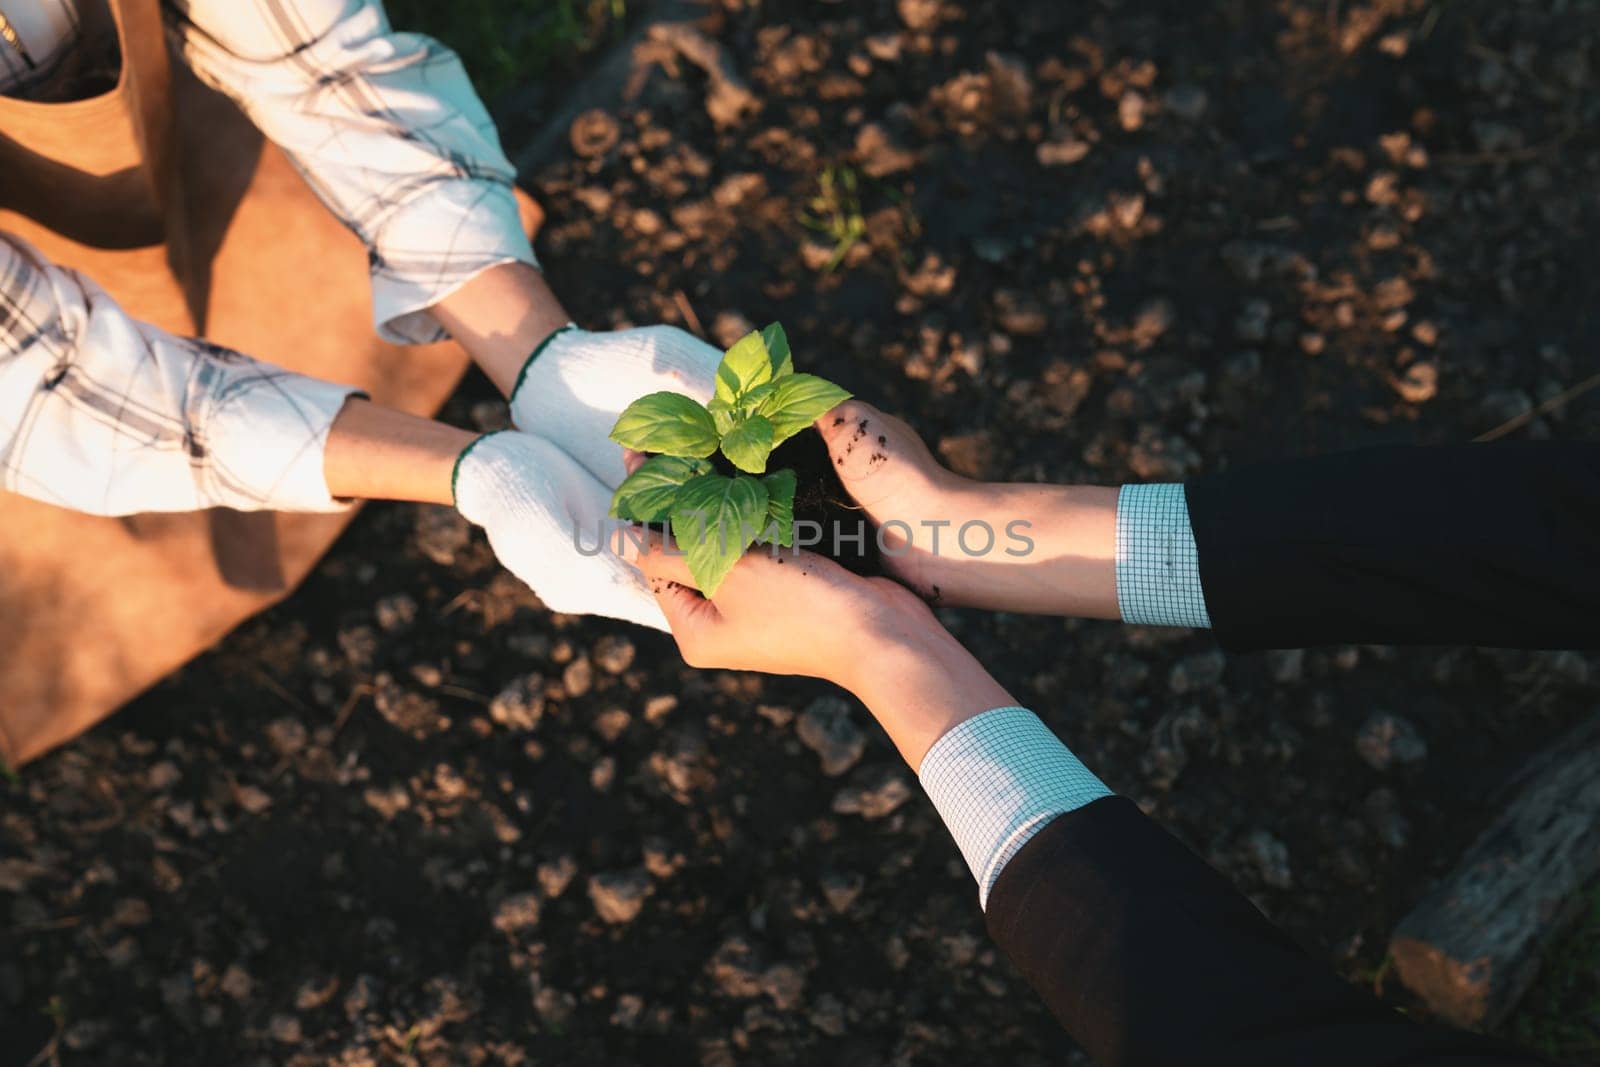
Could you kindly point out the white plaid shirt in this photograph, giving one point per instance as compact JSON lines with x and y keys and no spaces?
{"x":101,"y":413}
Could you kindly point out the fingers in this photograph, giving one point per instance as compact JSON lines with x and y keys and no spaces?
{"x":631,"y":460}
{"x":653,"y":558}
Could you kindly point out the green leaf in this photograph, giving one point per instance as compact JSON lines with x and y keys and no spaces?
{"x":778,"y":349}
{"x":797,"y":401}
{"x":749,"y":444}
{"x":647,"y":495}
{"x":744,"y":366}
{"x":780,"y":506}
{"x":669,"y":423}
{"x":751,"y":400}
{"x":723,"y":415}
{"x":714,"y":521}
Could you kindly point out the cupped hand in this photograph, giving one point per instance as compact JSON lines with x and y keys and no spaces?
{"x":577,"y":383}
{"x":794,"y":612}
{"x":1038,"y":549}
{"x":546,"y":520}
{"x":890,"y":473}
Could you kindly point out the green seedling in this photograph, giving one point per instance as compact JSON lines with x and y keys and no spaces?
{"x":760,"y":402}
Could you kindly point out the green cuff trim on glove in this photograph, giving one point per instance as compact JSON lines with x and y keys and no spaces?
{"x":523,"y":373}
{"x":455,"y":471}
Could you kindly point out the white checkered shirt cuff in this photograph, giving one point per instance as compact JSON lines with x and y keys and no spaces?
{"x":1158,"y":565}
{"x":996,"y":780}
{"x":435,"y":244}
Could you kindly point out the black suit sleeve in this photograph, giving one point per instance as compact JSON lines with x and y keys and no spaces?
{"x":1491,"y":544}
{"x":1149,"y":957}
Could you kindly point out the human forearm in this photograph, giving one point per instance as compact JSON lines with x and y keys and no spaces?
{"x":500,"y":317}
{"x":1054,"y":551}
{"x":919,"y":685}
{"x":378,"y":453}
{"x":105,"y":414}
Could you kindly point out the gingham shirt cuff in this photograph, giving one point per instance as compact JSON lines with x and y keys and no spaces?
{"x":435,"y":244}
{"x":999,"y":778}
{"x":1158,"y":565}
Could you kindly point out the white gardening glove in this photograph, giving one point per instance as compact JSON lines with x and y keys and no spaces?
{"x":577,"y":383}
{"x":532,"y":498}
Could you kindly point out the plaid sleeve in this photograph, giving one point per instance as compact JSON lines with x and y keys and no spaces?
{"x":387,"y":129}
{"x":104,"y":414}
{"x":1158,"y":565}
{"x":997,"y":779}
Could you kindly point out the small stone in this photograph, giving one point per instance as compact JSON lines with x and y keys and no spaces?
{"x":729,"y":326}
{"x":880,"y":153}
{"x":657,"y":708}
{"x":163,"y":775}
{"x":1154,"y":318}
{"x":1186,"y":101}
{"x":1162,"y":459}
{"x":578,"y":678}
{"x":660,"y":859}
{"x":920,"y":15}
{"x":440,"y":533}
{"x":611,"y":723}
{"x":286,"y":736}
{"x":828,"y":729}
{"x":784,"y":984}
{"x":395,"y":612}
{"x":1393,"y":292}
{"x":1062,"y":152}
{"x":628,"y":1012}
{"x":827,"y":1015}
{"x":519,"y":911}
{"x":734,"y":969}
{"x":1010,"y":84}
{"x":285,"y":1029}
{"x":969,"y":454}
{"x":237,"y":983}
{"x":619,"y":896}
{"x":603,"y":774}
{"x":1419,"y":383}
{"x":1203,"y":670}
{"x":1253,"y":321}
{"x":1130,"y":110}
{"x":1385,"y":740}
{"x":841,"y":888}
{"x":594,"y":133}
{"x":1288,"y":666}
{"x":1270,"y":857}
{"x":877,"y":793}
{"x":555,"y":875}
{"x":1019,"y":313}
{"x":520,"y":705}
{"x":613,"y":654}
{"x":554,"y":1006}
{"x":252,"y":798}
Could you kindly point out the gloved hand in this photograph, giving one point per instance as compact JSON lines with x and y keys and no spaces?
{"x":533,"y":499}
{"x":577,"y":383}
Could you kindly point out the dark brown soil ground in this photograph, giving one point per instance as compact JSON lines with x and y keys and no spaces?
{"x":410,"y":816}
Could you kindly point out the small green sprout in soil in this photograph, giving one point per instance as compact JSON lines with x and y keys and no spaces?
{"x":836,"y":212}
{"x":760,"y":402}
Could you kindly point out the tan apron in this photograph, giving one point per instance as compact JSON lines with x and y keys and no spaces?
{"x":163,"y":193}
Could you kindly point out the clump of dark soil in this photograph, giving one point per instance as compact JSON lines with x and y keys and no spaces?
{"x":827,"y":521}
